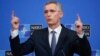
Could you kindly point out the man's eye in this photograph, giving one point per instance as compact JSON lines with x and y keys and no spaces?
{"x":46,"y":11}
{"x":52,"y":10}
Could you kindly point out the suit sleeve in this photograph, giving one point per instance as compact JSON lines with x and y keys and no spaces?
{"x":21,"y":49}
{"x":81,"y":46}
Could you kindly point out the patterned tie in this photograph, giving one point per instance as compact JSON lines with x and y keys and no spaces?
{"x":53,"y":43}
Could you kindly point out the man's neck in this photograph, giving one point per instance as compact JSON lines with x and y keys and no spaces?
{"x":54,"y":26}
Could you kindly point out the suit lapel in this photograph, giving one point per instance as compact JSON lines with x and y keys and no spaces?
{"x":46,"y":39}
{"x":61,"y":39}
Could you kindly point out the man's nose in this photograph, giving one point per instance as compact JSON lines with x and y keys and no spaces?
{"x":48,"y":14}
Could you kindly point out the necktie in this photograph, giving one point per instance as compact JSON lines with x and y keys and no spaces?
{"x":53,"y":42}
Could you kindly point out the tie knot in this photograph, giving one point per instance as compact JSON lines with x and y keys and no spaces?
{"x":53,"y":32}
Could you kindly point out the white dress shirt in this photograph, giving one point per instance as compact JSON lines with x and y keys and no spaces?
{"x":57,"y":30}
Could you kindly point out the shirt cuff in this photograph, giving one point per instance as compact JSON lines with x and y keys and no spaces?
{"x":14,"y":33}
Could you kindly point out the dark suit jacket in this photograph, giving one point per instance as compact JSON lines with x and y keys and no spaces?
{"x":68,"y":44}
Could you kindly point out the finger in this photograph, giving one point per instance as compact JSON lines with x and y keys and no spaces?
{"x":15,"y":20}
{"x":78,"y":24}
{"x":78,"y":17}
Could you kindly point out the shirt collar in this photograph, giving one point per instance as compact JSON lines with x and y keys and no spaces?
{"x":57,"y":30}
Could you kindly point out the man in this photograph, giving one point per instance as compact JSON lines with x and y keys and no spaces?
{"x":55,"y":40}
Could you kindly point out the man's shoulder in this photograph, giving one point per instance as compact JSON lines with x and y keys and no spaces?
{"x":71,"y":34}
{"x":67,"y":30}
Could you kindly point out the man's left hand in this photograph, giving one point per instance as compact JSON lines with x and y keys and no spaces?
{"x":78,"y":25}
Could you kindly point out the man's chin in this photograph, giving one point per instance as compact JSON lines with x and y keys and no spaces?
{"x":50,"y":24}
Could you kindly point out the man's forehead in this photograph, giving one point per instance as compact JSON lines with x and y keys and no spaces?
{"x":51,"y":5}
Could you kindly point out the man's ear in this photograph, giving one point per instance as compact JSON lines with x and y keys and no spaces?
{"x":61,"y":14}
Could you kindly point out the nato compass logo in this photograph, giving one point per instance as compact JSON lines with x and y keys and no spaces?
{"x":24,"y":30}
{"x":70,"y":26}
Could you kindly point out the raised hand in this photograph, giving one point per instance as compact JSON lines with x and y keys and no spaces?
{"x":78,"y":25}
{"x":14,"y":21}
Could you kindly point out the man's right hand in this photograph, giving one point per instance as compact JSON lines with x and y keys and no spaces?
{"x":14,"y":22}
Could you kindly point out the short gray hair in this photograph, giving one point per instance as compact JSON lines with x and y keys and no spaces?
{"x":54,"y":2}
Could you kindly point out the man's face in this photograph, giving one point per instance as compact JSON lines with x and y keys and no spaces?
{"x":52,"y":14}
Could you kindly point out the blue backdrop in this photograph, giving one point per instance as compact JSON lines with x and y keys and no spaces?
{"x":31,"y":12}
